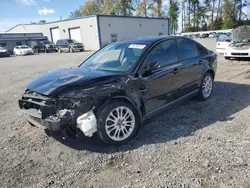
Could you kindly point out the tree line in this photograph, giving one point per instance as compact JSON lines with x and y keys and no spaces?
{"x":184,"y":15}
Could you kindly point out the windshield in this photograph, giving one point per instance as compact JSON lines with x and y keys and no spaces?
{"x":24,"y":47}
{"x":71,"y":41}
{"x":115,"y":57}
{"x":46,"y":42}
{"x":224,"y":38}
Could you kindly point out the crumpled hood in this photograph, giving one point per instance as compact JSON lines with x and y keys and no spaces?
{"x":61,"y":80}
{"x":241,"y":32}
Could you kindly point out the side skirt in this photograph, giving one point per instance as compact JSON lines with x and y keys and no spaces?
{"x":169,"y":105}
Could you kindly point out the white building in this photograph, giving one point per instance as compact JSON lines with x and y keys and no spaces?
{"x":98,"y":30}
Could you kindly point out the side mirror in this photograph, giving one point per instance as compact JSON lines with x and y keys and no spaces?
{"x":153,"y":66}
{"x":150,"y":68}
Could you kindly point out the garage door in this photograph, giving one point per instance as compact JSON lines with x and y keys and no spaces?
{"x":75,"y":33}
{"x":55,"y":34}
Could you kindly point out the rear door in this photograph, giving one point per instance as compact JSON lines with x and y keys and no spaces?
{"x":163,"y":83}
{"x":192,"y":65}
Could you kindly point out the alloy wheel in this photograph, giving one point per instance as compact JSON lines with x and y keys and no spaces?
{"x":207,"y":86}
{"x":120,"y":123}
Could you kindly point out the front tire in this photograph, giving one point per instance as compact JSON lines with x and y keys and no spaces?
{"x":227,"y":58}
{"x":71,"y":50}
{"x":206,"y":88}
{"x":117,"y":123}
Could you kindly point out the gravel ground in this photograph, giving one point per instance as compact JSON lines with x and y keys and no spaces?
{"x":196,"y":144}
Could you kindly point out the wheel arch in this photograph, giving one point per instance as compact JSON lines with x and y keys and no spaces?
{"x":211,"y":72}
{"x":125,"y":99}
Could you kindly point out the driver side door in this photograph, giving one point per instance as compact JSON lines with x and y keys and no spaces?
{"x":163,"y":82}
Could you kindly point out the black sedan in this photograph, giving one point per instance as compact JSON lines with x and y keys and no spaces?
{"x":117,"y":88}
{"x":4,"y":52}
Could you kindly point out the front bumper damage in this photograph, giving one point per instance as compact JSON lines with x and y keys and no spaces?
{"x":57,"y":114}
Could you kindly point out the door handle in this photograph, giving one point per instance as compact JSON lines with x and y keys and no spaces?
{"x":175,"y":71}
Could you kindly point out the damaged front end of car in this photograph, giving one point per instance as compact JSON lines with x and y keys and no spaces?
{"x":59,"y":114}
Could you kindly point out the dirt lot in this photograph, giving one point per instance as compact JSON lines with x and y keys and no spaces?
{"x":197,"y":144}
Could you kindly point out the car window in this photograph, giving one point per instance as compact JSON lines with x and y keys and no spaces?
{"x":187,"y":49}
{"x":24,"y":47}
{"x":165,"y":53}
{"x":201,"y":50}
{"x":71,"y":41}
{"x":115,"y":57}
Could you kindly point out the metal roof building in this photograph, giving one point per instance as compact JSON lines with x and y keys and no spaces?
{"x":10,"y":40}
{"x":98,"y":30}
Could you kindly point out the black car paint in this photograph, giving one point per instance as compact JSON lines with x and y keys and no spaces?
{"x":45,"y":47}
{"x":92,"y":89}
{"x":63,"y":45}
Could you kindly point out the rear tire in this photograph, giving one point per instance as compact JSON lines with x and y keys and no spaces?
{"x":206,"y":88}
{"x":117,"y":123}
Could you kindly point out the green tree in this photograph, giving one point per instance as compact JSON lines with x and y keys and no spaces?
{"x":143,"y":7}
{"x":75,"y":14}
{"x":173,"y":14}
{"x":229,"y":16}
{"x":89,"y":8}
{"x":125,"y":7}
{"x":157,"y":8}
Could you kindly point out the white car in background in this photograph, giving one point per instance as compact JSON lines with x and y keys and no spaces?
{"x":23,"y":50}
{"x":240,"y":47}
{"x":222,"y":43}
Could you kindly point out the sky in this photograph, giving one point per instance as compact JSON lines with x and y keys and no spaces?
{"x":13,"y":12}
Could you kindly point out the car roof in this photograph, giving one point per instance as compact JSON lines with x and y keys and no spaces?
{"x":22,"y":46}
{"x":65,"y":39}
{"x":151,"y":39}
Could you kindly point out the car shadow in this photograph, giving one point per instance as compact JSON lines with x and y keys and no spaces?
{"x":180,"y":121}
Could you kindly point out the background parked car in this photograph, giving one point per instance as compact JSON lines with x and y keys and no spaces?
{"x":23,"y":50}
{"x":222,"y":43}
{"x":197,"y":35}
{"x":212,"y":35}
{"x":204,"y":35}
{"x":4,"y":52}
{"x":69,"y":45}
{"x":45,"y":46}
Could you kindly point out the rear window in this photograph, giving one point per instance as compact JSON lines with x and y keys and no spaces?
{"x":24,"y":47}
{"x":45,"y":42}
{"x":71,"y":41}
{"x":223,"y":38}
{"x":187,"y":49}
{"x":201,"y":50}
